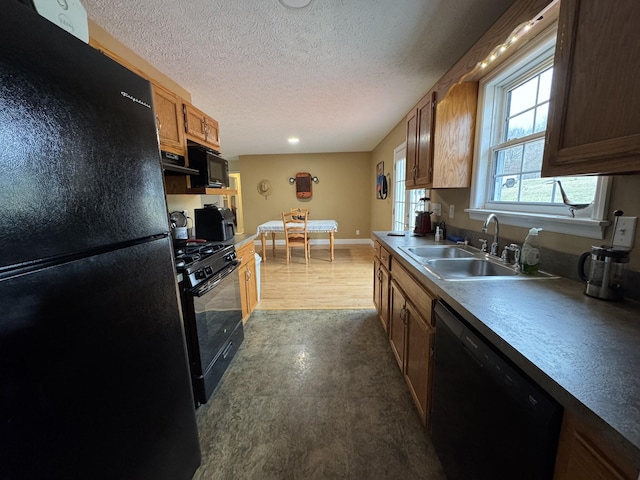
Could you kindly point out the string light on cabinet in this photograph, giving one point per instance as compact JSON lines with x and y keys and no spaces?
{"x":523,"y":32}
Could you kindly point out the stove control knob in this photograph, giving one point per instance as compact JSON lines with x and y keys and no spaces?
{"x":208,"y":271}
{"x":200,"y":274}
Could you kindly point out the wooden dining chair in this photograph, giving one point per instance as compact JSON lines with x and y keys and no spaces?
{"x":300,"y":211}
{"x":295,"y":233}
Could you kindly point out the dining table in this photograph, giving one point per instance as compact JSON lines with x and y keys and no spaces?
{"x":313,"y":226}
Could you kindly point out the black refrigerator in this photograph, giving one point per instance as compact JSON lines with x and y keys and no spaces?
{"x":94,"y":379}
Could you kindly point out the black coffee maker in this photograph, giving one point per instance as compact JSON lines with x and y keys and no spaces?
{"x":423,"y":217}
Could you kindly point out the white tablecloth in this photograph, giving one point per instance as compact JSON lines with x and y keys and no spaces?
{"x":320,"y":226}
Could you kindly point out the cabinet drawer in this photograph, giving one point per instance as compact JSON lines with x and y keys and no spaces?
{"x":418,"y":295}
{"x":246,"y":253}
{"x":385,"y":258}
{"x":383,"y":254}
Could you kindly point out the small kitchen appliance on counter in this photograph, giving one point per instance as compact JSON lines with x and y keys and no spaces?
{"x":607,"y":269}
{"x":179,"y":229}
{"x":214,"y":223}
{"x":423,"y":217}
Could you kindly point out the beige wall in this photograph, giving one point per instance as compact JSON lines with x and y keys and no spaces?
{"x":382,"y":210}
{"x":344,"y":191}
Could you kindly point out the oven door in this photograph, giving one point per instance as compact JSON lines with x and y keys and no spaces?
{"x":213,"y":322}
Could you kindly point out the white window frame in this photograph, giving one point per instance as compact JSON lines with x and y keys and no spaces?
{"x":590,"y":222}
{"x":408,"y":199}
{"x":399,"y":211}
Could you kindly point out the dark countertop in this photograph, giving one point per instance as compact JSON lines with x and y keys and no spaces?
{"x":585,"y":352}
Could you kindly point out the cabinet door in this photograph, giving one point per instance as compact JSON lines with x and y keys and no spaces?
{"x":200,"y":127}
{"x":212,"y":132}
{"x":381,"y":293}
{"x":247,"y":276}
{"x":419,"y":150}
{"x":384,"y":298}
{"x":397,"y":331}
{"x":420,"y":337}
{"x":376,"y":284}
{"x":411,"y":150}
{"x":194,"y":123}
{"x":454,"y":137}
{"x":251,"y":286}
{"x":594,"y":117}
{"x":242,"y":274}
{"x":424,"y":153}
{"x":582,"y":456}
{"x":169,"y":120}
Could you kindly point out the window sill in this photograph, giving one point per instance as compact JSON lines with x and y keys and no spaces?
{"x":580,"y":227}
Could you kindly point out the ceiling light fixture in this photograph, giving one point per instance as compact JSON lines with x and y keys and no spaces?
{"x":293,"y":140}
{"x":294,"y":3}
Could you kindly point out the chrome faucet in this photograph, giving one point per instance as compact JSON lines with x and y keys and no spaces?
{"x":494,"y":245}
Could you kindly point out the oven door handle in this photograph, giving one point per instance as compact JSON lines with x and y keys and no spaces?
{"x":213,"y":282}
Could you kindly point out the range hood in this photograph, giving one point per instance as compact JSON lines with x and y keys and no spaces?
{"x":178,"y":169}
{"x":175,"y":163}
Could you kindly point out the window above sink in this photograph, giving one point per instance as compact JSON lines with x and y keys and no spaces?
{"x":512,"y":121}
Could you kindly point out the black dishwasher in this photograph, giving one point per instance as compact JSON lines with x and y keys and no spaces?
{"x":488,"y":419}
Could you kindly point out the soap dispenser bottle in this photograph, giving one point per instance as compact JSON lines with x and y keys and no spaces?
{"x":530,"y":254}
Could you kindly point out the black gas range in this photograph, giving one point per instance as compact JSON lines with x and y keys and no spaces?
{"x":211,"y":309}
{"x":198,"y":261}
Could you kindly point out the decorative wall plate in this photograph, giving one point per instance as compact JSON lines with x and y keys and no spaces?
{"x":264,"y":188}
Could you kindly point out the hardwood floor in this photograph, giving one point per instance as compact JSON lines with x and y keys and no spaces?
{"x":347,"y":282}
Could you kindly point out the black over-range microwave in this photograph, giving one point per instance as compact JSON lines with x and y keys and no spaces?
{"x":214,"y":170}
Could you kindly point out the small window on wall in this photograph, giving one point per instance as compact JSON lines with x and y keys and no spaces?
{"x":512,"y":124}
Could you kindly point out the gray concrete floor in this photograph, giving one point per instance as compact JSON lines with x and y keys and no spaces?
{"x":314,"y":394}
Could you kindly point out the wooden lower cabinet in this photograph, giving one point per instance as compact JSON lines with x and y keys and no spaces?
{"x":584,"y":456}
{"x":418,"y":364}
{"x":248,"y":281}
{"x":381,"y":285}
{"x":397,"y":324}
{"x":411,"y":335}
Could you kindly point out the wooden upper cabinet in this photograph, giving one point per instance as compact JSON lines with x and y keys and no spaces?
{"x":200,"y":127}
{"x":594,"y":118}
{"x":169,"y":120}
{"x":411,"y":148}
{"x":419,"y":151}
{"x":454,"y":136}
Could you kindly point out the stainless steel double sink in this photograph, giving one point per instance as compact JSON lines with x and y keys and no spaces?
{"x":461,"y":262}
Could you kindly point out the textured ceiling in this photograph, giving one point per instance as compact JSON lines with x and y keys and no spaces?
{"x":338,"y":74}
